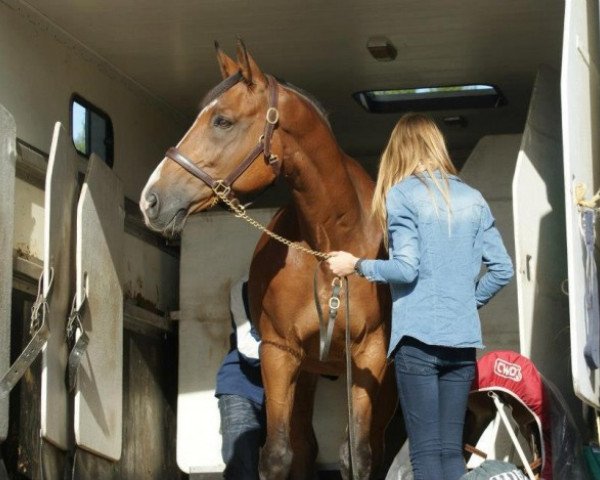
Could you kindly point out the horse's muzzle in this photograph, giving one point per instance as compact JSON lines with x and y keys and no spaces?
{"x":150,"y":205}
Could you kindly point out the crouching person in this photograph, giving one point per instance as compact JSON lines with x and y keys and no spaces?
{"x":240,"y":393}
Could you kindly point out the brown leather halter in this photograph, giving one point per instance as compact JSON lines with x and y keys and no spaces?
{"x":223,"y":187}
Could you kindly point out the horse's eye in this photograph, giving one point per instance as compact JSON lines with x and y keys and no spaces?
{"x":222,"y":122}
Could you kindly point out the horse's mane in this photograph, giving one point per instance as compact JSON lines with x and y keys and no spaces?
{"x":309,"y":97}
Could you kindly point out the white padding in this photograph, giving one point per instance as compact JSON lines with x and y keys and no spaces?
{"x":580,"y":95}
{"x":60,"y":199}
{"x":100,"y":236}
{"x":490,"y":169}
{"x":8,"y":132}
{"x":247,"y":345}
{"x":540,"y":235}
{"x":216,"y":251}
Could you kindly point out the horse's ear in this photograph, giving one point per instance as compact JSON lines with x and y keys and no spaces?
{"x":226,"y":63}
{"x":250,"y":70}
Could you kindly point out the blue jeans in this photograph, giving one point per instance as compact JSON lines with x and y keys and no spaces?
{"x":242,"y":428}
{"x":433,"y":385}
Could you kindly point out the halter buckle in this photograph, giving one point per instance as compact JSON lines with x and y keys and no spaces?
{"x":220,"y":189}
{"x":272,"y":116}
{"x":273,"y":159}
{"x":334,"y":303}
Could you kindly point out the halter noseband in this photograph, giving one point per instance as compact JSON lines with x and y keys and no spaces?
{"x":222,"y":188}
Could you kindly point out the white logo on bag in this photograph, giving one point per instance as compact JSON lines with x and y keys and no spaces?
{"x":514,"y":475}
{"x":508,"y":370}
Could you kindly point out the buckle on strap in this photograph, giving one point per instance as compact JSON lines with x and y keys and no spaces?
{"x":334,"y":303}
{"x":221,"y":189}
{"x":272,"y":116}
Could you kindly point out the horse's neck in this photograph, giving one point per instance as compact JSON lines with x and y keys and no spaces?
{"x":331,"y":207}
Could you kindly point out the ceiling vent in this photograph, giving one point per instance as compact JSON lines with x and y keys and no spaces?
{"x":382,"y":49}
{"x":452,"y":97}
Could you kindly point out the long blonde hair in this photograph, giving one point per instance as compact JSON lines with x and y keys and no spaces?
{"x":416,"y":144}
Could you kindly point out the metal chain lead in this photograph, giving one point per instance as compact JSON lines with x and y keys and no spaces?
{"x":240,"y":212}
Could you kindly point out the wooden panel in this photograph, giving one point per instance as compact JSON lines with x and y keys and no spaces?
{"x":24,"y":451}
{"x":580,"y":96}
{"x":100,"y":235}
{"x":150,"y":387}
{"x":59,"y":257}
{"x":8,"y":132}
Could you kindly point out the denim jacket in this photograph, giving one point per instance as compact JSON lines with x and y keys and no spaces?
{"x":435,"y":258}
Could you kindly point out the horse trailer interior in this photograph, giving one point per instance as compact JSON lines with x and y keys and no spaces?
{"x":129,"y":327}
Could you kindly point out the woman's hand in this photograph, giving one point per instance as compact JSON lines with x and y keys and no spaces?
{"x":341,"y":263}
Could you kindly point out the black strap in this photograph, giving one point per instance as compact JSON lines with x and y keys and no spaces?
{"x":222,"y":87}
{"x":326,"y":330}
{"x":40,"y":332}
{"x":349,"y":382}
{"x":186,"y":163}
{"x":75,"y":357}
{"x":3,"y":472}
{"x":22,"y":363}
{"x":79,"y":345}
{"x":326,"y":325}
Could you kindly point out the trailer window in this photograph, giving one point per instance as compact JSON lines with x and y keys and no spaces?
{"x":451,"y":97}
{"x":91,"y":130}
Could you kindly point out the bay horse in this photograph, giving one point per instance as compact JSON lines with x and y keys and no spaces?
{"x":287,"y":134}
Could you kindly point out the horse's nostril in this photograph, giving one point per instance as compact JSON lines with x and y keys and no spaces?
{"x":152,"y":206}
{"x":152,"y":200}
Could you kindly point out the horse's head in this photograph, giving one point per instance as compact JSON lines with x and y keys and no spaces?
{"x":226,"y":150}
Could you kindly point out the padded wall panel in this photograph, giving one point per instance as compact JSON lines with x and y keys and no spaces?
{"x":580,"y":97}
{"x":59,"y":281}
{"x":8,"y":133}
{"x":100,"y":236}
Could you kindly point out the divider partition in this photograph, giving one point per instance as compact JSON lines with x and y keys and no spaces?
{"x":8,"y":133}
{"x":100,"y":234}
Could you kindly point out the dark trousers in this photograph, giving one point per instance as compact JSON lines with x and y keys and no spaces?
{"x":433,"y":384}
{"x":242,"y":428}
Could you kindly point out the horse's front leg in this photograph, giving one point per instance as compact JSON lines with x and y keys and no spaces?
{"x":368,"y":372}
{"x":280,"y":370}
{"x":302,"y":436}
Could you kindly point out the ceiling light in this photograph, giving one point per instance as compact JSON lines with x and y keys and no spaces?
{"x":456,"y":121}
{"x":382,"y":49}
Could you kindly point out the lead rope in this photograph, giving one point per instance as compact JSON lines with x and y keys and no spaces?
{"x":240,"y":211}
{"x":351,"y":433}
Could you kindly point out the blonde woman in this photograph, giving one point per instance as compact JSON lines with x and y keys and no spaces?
{"x":438,"y":231}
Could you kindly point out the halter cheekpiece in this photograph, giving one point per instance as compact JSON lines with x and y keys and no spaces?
{"x":223,"y":187}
